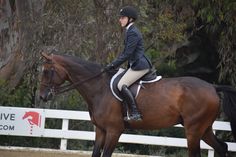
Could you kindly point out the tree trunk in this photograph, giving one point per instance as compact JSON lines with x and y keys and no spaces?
{"x":107,"y":33}
{"x":19,"y":30}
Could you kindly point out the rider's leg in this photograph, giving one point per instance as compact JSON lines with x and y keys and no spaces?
{"x":128,"y":97}
{"x":128,"y":79}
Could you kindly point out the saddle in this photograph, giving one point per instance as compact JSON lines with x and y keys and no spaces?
{"x":135,"y":88}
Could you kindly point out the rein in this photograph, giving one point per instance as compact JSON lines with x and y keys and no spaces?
{"x":71,"y":86}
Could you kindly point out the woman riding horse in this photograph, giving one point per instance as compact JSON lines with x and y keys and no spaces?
{"x":138,"y":63}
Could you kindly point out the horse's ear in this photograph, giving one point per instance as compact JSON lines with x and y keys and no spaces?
{"x":46,"y":56}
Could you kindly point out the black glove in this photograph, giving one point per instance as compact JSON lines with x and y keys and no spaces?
{"x":109,"y":67}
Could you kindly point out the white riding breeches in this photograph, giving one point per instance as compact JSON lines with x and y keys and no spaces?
{"x":130,"y":77}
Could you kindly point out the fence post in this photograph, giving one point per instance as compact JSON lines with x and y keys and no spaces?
{"x":65,"y":125}
{"x":210,"y":153}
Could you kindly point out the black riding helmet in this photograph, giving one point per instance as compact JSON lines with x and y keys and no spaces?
{"x":129,"y":12}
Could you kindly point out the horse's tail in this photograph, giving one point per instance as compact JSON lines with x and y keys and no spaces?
{"x":229,"y":105}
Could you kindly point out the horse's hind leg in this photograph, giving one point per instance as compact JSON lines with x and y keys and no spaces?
{"x":193,"y":140}
{"x":220,"y":147}
{"x":194,"y":147}
{"x":99,"y":142}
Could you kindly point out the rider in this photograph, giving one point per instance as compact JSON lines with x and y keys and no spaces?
{"x":138,"y":63}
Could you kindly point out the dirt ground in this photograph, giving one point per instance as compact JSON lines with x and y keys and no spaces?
{"x":21,"y":153}
{"x":34,"y":152}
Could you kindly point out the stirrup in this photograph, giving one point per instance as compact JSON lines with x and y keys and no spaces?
{"x":136,"y":117}
{"x":133,"y":117}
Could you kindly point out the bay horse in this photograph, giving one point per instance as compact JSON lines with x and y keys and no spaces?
{"x":189,"y":101}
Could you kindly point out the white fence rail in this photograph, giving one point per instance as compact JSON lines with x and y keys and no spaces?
{"x":11,"y":114}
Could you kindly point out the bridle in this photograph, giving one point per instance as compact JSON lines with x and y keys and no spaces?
{"x":50,"y":83}
{"x":58,"y":90}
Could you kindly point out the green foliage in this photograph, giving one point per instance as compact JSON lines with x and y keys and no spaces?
{"x":164,"y":67}
{"x":219,"y":18}
{"x":80,"y":145}
{"x":30,"y":142}
{"x":71,"y":101}
{"x":167,"y":69}
{"x":153,"y":54}
{"x":169,"y":29}
{"x":20,"y":96}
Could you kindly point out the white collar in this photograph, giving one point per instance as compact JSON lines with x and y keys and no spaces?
{"x":129,"y":25}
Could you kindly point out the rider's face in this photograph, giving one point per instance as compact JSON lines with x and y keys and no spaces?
{"x":123,"y":20}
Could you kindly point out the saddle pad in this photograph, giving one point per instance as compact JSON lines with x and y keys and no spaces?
{"x":135,"y":88}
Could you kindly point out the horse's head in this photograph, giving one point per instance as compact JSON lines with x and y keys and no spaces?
{"x":53,"y":75}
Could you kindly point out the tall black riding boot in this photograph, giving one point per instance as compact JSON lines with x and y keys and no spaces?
{"x":128,"y":97}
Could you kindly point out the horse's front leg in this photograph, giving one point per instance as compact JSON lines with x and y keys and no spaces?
{"x":112,"y":138}
{"x":99,"y":142}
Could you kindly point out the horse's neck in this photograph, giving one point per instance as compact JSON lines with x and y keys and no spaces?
{"x":91,"y":89}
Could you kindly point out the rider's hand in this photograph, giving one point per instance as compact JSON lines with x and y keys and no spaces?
{"x":109,"y":67}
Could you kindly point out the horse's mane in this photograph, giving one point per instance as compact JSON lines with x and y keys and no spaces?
{"x":89,"y":65}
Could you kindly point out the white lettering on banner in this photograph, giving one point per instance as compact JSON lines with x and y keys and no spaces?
{"x":22,"y":121}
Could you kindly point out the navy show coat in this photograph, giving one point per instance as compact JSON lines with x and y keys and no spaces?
{"x":133,"y":51}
